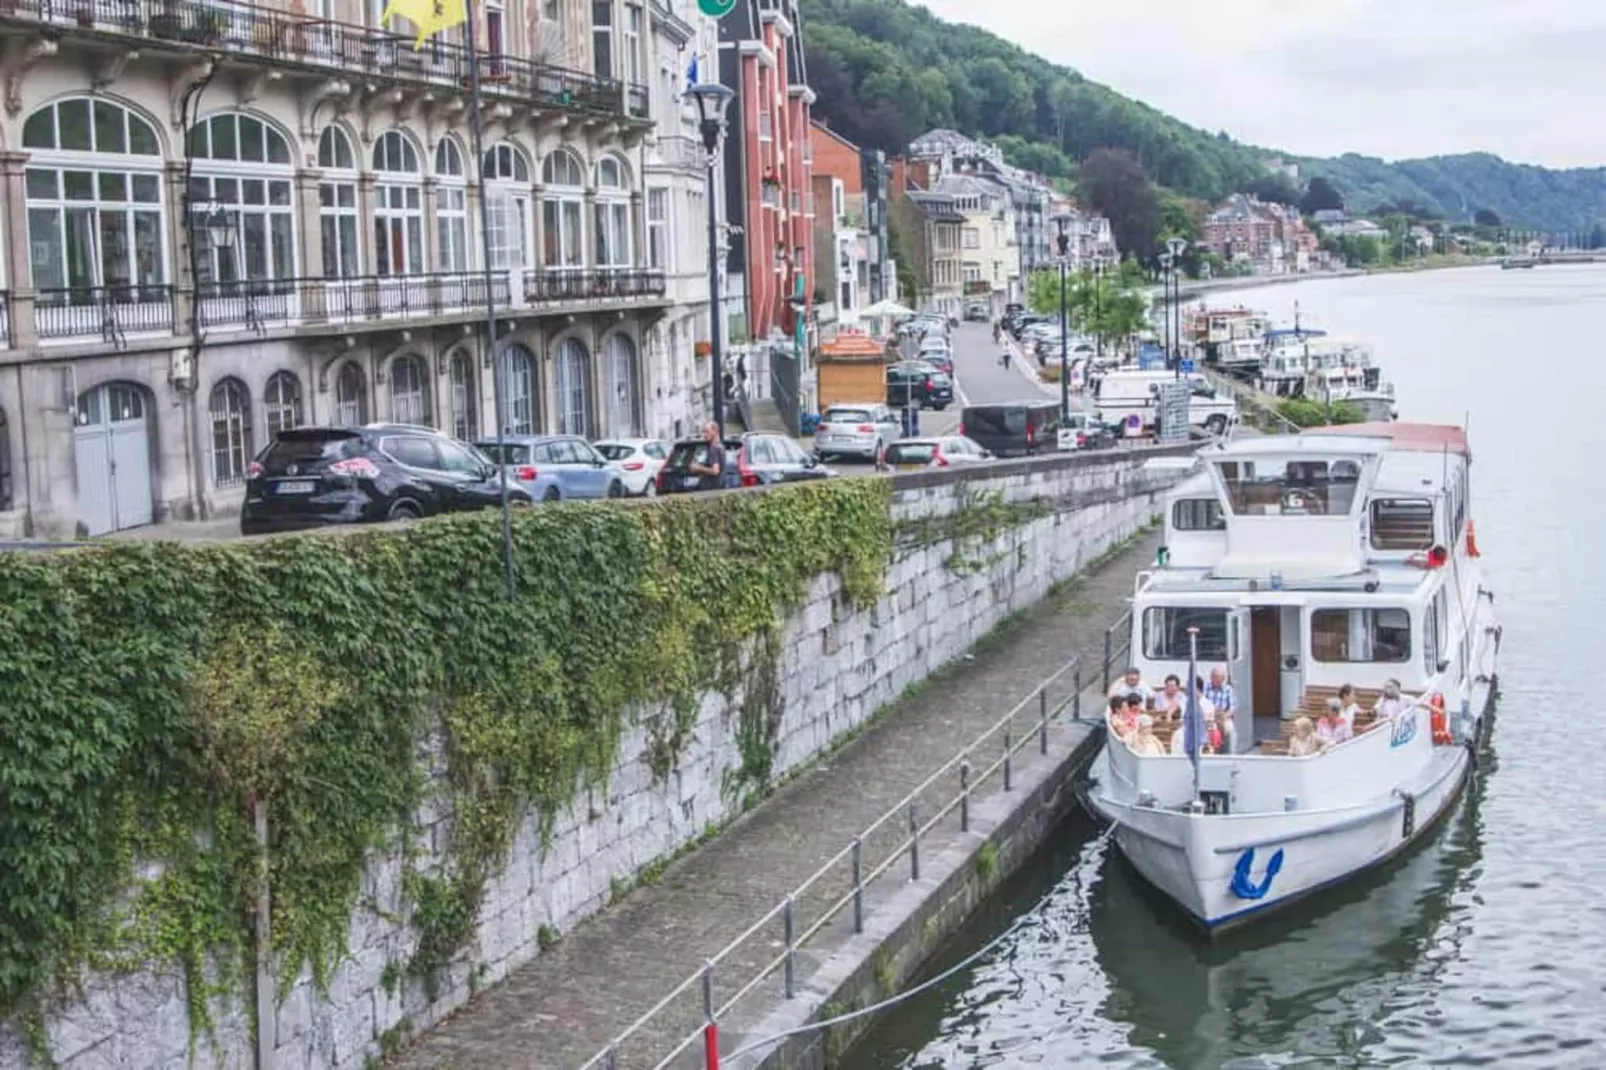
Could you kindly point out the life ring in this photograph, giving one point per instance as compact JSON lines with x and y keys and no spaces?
{"x":1437,"y":557}
{"x":1472,"y":540}
{"x":1439,"y":722}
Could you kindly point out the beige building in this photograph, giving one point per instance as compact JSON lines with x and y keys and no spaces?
{"x":990,"y":261}
{"x":224,"y":220}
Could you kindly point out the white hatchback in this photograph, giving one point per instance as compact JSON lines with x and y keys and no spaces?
{"x":638,"y":460}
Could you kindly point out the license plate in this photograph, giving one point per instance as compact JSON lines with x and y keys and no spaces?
{"x":296,"y":486}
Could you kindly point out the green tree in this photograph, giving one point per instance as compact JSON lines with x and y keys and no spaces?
{"x":1321,"y":196}
{"x":1114,"y":185}
{"x":1110,"y":306}
{"x":1485,"y":217}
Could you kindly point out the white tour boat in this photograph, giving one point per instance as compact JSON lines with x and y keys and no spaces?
{"x":1299,"y":564}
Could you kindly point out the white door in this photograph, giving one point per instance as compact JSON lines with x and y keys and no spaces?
{"x":1238,"y":675}
{"x":112,"y":452}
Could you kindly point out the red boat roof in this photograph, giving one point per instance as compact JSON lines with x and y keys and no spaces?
{"x":1412,"y":438}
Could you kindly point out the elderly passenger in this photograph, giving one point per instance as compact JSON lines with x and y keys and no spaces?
{"x":1303,"y":743}
{"x":1391,"y":705}
{"x":1131,"y":683}
{"x":1143,"y":741}
{"x":1331,"y":728}
{"x":1167,"y":703}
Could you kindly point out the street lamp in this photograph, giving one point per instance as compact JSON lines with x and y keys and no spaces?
{"x":1165,"y":297}
{"x":1098,"y":305}
{"x":1062,"y":222}
{"x":1176,"y":246}
{"x":712,"y":99}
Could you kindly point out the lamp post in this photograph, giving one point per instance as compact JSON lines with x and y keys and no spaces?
{"x":1098,"y":305}
{"x":1165,"y":305}
{"x":1176,"y":247}
{"x":712,"y":100}
{"x":1062,"y":223}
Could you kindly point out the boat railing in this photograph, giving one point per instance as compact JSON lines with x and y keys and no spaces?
{"x":1117,"y":648}
{"x":839,"y":885}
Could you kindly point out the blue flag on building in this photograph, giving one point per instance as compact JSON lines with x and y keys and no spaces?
{"x":691,"y":71}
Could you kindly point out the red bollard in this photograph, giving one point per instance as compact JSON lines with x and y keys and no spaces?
{"x":711,"y":1046}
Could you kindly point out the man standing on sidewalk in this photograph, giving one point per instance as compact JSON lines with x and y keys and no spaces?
{"x":712,"y":467}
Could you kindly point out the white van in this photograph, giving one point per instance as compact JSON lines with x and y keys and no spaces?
{"x":1121,"y":394}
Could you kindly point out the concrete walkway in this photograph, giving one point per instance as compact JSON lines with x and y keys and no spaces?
{"x":565,"y":1007}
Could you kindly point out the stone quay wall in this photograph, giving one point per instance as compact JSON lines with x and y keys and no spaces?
{"x":971,"y":549}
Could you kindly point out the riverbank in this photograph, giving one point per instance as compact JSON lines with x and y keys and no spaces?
{"x":1254,"y":282}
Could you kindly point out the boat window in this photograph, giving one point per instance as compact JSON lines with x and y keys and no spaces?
{"x":1198,"y":514}
{"x":1435,"y":632}
{"x":1297,"y":488}
{"x":1402,"y":524}
{"x":1165,"y":632}
{"x":1360,"y":635}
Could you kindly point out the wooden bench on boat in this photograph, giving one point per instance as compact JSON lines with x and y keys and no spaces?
{"x":1313,"y":703}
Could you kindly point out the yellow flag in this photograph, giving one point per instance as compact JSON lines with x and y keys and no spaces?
{"x":429,"y":16}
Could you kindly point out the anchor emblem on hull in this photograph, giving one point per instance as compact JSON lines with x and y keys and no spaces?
{"x":1244,"y":886}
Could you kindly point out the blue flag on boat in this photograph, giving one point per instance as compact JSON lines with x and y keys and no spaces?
{"x":691,"y":71}
{"x":1193,"y":725}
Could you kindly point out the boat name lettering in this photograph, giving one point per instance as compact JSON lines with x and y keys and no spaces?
{"x":1404,"y":730}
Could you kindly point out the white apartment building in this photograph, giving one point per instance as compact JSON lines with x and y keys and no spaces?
{"x":990,"y":260}
{"x":226,"y":220}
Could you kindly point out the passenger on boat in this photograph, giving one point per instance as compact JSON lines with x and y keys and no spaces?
{"x":1331,"y":728}
{"x":1131,"y":683}
{"x":1123,"y":718}
{"x":1218,"y":728}
{"x":1390,"y":705}
{"x":1220,"y":694}
{"x":1167,"y":702}
{"x":1143,"y":741}
{"x":1303,"y":743}
{"x":1351,"y":709}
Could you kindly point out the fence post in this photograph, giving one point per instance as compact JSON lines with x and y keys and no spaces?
{"x":1076,"y":696}
{"x":1042,"y":720}
{"x":789,"y":922}
{"x":1108,"y":653}
{"x":710,"y":1028}
{"x":858,"y":885}
{"x":1009,"y":750}
{"x":964,"y":795}
{"x":914,"y":843}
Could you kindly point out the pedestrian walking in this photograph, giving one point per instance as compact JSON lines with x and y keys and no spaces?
{"x":712,"y":468}
{"x":1005,"y":358}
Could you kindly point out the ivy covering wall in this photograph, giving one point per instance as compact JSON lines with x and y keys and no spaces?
{"x":154,"y":696}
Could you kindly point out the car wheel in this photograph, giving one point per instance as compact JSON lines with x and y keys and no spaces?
{"x":616,"y":489}
{"x":1217,"y":424}
{"x":405,"y":510}
{"x":551,"y":495}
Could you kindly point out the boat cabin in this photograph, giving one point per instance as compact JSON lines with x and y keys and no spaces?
{"x":1311,"y":561}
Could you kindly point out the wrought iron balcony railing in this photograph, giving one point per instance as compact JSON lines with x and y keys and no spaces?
{"x":246,"y":30}
{"x":559,"y":286}
{"x":264,"y":304}
{"x":109,"y":313}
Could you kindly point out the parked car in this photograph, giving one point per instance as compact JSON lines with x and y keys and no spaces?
{"x":575,"y":469}
{"x":638,"y":459}
{"x":856,"y":430}
{"x":1021,"y":323}
{"x":943,"y":362}
{"x":1013,"y":429}
{"x":918,"y":382}
{"x":912,"y":453}
{"x":311,"y":476}
{"x":976,"y":312}
{"x":1090,"y":432}
{"x":752,"y":460}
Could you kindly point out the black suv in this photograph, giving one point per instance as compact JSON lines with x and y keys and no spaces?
{"x":918,"y":383}
{"x":312,"y":476}
{"x":753,"y":460}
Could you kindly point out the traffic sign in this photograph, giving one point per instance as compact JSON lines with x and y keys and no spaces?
{"x":716,"y":9}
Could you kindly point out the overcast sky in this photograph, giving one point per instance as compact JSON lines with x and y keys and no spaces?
{"x":1391,"y":78}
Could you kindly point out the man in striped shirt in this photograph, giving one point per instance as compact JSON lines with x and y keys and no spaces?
{"x":1219,"y":693}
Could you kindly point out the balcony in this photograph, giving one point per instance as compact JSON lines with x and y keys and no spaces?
{"x":112,"y":314}
{"x":284,"y":39}
{"x":681,"y":153}
{"x":604,"y":284}
{"x":275,"y":303}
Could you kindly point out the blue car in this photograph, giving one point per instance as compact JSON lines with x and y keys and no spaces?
{"x":554,"y":467}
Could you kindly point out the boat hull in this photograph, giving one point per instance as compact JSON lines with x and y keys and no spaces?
{"x":1227,"y":870}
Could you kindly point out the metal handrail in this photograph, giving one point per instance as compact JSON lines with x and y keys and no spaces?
{"x":908,"y":847}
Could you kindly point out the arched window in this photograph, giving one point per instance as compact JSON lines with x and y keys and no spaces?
{"x":282,"y":400}
{"x":351,"y":396}
{"x":337,"y":205}
{"x":563,"y":203}
{"x":465,"y":406}
{"x":518,"y":389}
{"x":243,"y":168}
{"x":409,"y":391}
{"x":612,"y":219}
{"x":95,"y":208}
{"x":508,"y":192}
{"x":398,"y":206}
{"x":5,"y":463}
{"x":451,"y":207}
{"x":573,"y":389}
{"x":619,"y":358}
{"x":231,"y":432}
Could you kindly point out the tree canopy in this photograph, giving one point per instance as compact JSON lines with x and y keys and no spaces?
{"x":1113,"y":184}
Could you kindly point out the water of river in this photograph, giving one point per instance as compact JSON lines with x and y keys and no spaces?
{"x":1487,"y":947}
